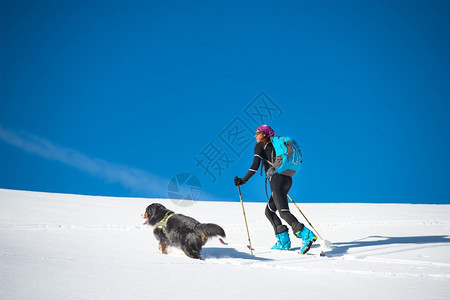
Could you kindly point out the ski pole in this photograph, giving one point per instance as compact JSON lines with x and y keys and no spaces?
{"x":305,"y":218}
{"x":245,"y":219}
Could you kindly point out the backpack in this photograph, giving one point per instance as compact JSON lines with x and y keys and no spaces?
{"x":288,"y":156}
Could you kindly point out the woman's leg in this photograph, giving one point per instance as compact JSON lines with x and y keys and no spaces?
{"x":271,"y":215}
{"x":280,"y":186}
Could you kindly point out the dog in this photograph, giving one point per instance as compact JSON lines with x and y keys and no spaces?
{"x":178,"y":230}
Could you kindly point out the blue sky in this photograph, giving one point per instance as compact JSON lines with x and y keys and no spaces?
{"x":116,"y":98}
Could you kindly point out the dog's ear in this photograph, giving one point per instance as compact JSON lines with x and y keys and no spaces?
{"x":156,"y":206}
{"x":159,"y":205}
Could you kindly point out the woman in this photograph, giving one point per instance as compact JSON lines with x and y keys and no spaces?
{"x":280,"y":186}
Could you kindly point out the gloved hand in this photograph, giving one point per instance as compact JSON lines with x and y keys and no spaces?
{"x":239,"y":181}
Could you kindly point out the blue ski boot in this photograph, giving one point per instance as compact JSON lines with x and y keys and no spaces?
{"x":308,"y":238}
{"x":284,"y":242}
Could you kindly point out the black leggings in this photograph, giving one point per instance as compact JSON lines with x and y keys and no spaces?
{"x":280,"y":186}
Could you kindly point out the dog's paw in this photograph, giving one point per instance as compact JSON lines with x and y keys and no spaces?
{"x":162,"y":247}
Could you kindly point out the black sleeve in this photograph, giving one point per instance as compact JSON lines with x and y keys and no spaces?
{"x":259,"y":150}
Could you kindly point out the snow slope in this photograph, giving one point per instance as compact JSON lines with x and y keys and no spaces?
{"x":57,"y":246}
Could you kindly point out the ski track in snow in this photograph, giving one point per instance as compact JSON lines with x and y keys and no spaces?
{"x":63,"y":230}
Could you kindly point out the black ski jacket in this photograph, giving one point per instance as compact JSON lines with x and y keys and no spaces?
{"x":264,"y":153}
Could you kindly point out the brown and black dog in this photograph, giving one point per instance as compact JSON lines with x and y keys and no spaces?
{"x":178,"y":230}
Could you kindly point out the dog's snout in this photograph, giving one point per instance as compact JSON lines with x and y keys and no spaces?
{"x":144,"y":215}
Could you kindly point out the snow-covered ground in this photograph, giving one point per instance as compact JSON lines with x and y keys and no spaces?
{"x":58,"y":246}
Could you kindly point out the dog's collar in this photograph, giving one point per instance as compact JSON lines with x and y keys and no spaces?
{"x":163,"y":222}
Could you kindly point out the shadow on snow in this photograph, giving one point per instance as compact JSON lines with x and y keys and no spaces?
{"x":340,"y":249}
{"x":213,"y":252}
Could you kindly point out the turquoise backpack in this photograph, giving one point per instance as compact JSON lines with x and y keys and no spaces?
{"x":288,"y":156}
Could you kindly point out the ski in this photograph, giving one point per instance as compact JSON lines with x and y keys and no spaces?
{"x":292,"y":250}
{"x":321,"y":254}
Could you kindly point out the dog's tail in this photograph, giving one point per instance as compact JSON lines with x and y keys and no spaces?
{"x":211,"y":230}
